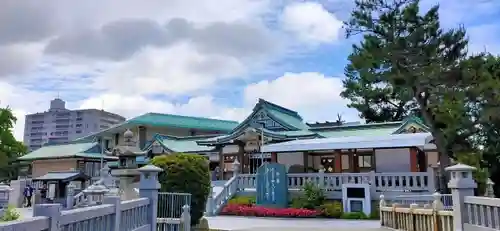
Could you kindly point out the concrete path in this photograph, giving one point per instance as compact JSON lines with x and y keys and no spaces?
{"x":291,"y":224}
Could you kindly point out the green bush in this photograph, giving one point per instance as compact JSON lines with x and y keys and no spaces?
{"x":243,"y":200}
{"x":312,"y":198}
{"x":332,"y":209}
{"x":186,"y":173}
{"x":10,"y":214}
{"x":354,"y":216}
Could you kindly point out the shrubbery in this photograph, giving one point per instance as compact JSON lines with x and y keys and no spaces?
{"x":10,"y":214}
{"x":186,"y":173}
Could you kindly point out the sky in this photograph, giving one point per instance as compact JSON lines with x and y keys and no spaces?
{"x":211,"y":58}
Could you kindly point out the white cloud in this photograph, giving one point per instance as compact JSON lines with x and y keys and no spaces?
{"x":313,"y":95}
{"x":311,"y":22}
{"x":134,"y":105}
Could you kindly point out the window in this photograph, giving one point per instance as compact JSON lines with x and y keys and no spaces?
{"x":78,"y":132}
{"x":365,"y":161}
{"x":346,"y":165}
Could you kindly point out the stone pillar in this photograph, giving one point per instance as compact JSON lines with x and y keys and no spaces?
{"x":431,"y":183}
{"x":52,"y":211}
{"x":4,"y":195}
{"x":70,"y":195}
{"x":236,"y":167}
{"x":116,"y":201}
{"x":321,"y":175}
{"x":461,"y":185}
{"x":148,"y":187}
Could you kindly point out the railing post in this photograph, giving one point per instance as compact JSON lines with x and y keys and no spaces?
{"x":70,"y":196}
{"x":462,"y":184}
{"x":115,"y":200}
{"x":148,"y":188}
{"x":53,"y":211}
{"x":373,"y":183}
{"x":413,"y":221}
{"x":382,"y":203}
{"x":431,"y":179}
{"x":186,"y":218}
{"x":437,"y":205}
{"x":209,"y":211}
{"x":321,"y":180}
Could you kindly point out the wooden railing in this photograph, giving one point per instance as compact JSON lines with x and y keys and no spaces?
{"x":428,"y":217}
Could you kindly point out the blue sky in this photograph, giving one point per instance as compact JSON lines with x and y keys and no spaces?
{"x":192,"y":57}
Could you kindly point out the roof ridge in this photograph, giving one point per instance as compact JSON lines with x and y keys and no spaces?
{"x":358,"y":125}
{"x":280,"y":108}
{"x":187,"y":137}
{"x":184,"y":116}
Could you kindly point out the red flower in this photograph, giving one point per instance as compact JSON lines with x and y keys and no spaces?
{"x":259,"y":211}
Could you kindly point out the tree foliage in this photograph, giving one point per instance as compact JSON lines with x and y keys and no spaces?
{"x":407,"y":64}
{"x":186,"y":173}
{"x":10,"y":148}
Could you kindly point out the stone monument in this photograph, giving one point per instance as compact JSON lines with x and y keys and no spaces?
{"x":127,"y":170}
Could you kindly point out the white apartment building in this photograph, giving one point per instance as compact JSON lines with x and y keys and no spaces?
{"x":61,"y":125}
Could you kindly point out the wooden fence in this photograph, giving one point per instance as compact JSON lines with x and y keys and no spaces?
{"x":468,"y":212}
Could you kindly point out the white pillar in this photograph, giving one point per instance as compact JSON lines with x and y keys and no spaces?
{"x":461,"y":185}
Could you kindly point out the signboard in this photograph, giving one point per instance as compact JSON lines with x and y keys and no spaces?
{"x":272,"y":185}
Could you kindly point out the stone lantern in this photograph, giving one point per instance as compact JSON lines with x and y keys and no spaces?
{"x":4,"y":195}
{"x":96,"y":193}
{"x":126,"y":171}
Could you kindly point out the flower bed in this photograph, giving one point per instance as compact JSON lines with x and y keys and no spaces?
{"x":258,"y":211}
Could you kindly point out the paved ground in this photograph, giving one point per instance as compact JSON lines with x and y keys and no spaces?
{"x":275,"y":224}
{"x":290,"y":224}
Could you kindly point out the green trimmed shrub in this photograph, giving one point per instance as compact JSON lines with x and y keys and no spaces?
{"x":10,"y":214}
{"x":186,"y":173}
{"x":332,"y":209}
{"x":243,"y":200}
{"x":354,"y":216}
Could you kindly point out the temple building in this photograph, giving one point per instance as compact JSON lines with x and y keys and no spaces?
{"x":286,"y":138}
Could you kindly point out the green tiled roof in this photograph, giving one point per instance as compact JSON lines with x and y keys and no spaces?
{"x":168,"y":120}
{"x":79,"y":149}
{"x":182,"y":144}
{"x":294,"y":121}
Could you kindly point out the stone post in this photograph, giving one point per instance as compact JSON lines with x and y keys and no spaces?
{"x":372,"y":182}
{"x":148,"y":188}
{"x":437,"y":204}
{"x":115,"y":200}
{"x":490,"y":191}
{"x":186,"y":218}
{"x":431,"y":182}
{"x":461,"y":185}
{"x":70,"y":195}
{"x":321,"y":175}
{"x":210,"y":203}
{"x":52,"y":211}
{"x":382,"y":203}
{"x":4,"y":195}
{"x":236,"y":167}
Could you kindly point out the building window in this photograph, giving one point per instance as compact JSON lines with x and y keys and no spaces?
{"x":78,"y":132}
{"x":365,"y":161}
{"x":346,"y":164}
{"x":328,"y":163}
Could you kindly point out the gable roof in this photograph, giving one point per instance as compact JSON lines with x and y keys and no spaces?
{"x":71,"y":150}
{"x":180,"y":144}
{"x":289,"y":119}
{"x":169,"y":120}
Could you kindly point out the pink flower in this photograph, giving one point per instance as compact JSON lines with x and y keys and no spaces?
{"x":259,"y":211}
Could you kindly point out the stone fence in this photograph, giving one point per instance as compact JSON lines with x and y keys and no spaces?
{"x":468,"y":213}
{"x":111,"y":214}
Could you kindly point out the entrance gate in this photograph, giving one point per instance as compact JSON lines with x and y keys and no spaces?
{"x":272,"y":185}
{"x":170,"y":209}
